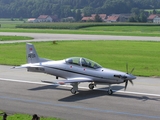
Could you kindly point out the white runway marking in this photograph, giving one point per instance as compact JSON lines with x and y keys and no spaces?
{"x":41,"y":83}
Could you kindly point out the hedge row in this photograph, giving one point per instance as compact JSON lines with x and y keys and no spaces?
{"x":77,"y":25}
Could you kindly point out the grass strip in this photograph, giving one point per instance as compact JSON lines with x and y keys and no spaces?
{"x":65,"y":25}
{"x":19,"y":116}
{"x":126,"y":29}
{"x":90,"y":32}
{"x":5,"y":38}
{"x":142,"y":55}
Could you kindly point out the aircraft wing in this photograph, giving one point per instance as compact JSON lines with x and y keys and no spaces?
{"x":78,"y":79}
{"x":71,"y":80}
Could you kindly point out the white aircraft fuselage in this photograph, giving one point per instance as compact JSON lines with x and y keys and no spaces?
{"x":66,"y":71}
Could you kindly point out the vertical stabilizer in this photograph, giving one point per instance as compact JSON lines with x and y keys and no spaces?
{"x":31,"y":54}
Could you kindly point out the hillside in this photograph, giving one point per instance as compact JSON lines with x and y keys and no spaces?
{"x":65,"y":8}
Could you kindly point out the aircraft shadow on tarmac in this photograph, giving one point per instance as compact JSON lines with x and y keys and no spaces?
{"x":88,"y":94}
{"x":96,"y":93}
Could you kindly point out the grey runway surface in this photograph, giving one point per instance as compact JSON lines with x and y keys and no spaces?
{"x":22,"y":91}
{"x":53,"y":37}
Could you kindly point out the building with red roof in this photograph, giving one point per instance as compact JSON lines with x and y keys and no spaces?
{"x":152,"y":17}
{"x":92,"y":17}
{"x":44,"y":18}
{"x":113,"y":18}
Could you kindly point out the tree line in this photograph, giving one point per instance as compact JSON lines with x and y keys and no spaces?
{"x":67,"y":8}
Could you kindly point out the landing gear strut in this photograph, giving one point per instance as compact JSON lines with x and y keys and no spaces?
{"x":73,"y":91}
{"x":110,"y":92}
{"x":75,"y":88}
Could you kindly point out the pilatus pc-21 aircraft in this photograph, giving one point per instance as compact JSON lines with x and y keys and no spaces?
{"x":75,"y":70}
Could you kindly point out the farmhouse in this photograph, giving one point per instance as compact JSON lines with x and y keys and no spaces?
{"x":152,"y":17}
{"x":102,"y":16}
{"x":92,"y":17}
{"x":31,"y":20}
{"x":113,"y":18}
{"x":156,"y":19}
{"x":44,"y":18}
{"x":118,"y":18}
{"x":85,"y":19}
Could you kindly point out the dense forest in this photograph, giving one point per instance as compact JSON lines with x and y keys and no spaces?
{"x":66,"y":8}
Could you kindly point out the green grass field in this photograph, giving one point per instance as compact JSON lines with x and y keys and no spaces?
{"x":116,"y":31}
{"x":128,"y":29}
{"x":144,"y":56}
{"x":26,"y":117}
{"x":9,"y":24}
{"x":6,"y":38}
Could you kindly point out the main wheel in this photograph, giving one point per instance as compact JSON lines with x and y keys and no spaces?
{"x":91,"y":86}
{"x":110,"y":92}
{"x":73,"y":91}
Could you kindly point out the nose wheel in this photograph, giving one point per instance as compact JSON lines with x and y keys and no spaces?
{"x":91,"y":86}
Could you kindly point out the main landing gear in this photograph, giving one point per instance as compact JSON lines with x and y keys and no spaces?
{"x":110,"y":92}
{"x":91,"y":86}
{"x":75,"y":88}
{"x":73,"y":91}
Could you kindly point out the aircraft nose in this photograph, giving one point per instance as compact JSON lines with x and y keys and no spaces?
{"x":131,"y":77}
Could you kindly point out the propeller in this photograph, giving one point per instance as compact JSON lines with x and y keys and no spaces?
{"x":126,"y":80}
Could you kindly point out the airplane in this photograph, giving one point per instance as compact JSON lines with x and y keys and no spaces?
{"x":75,"y":70}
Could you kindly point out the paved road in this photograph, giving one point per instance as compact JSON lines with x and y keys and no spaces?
{"x":51,"y":37}
{"x":22,"y":91}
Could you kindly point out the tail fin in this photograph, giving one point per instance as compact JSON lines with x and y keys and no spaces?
{"x":31,"y":54}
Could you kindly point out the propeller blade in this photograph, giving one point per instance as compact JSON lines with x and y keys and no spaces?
{"x":125,"y":77}
{"x":127,"y":67}
{"x":132,"y":71}
{"x":126,"y":83}
{"x":131,"y":82}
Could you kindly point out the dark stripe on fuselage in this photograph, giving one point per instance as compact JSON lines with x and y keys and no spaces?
{"x":76,"y":72}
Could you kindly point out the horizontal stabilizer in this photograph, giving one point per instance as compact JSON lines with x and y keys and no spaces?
{"x":27,"y":66}
{"x":55,"y":83}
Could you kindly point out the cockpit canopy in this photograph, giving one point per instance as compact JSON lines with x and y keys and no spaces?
{"x":83,"y":62}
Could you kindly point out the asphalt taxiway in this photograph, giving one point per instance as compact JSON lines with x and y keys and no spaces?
{"x":56,"y":37}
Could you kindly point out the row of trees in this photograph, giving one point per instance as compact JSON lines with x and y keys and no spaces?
{"x":66,"y":8}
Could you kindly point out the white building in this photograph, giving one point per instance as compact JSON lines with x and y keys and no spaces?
{"x":44,"y":18}
{"x":32,"y":20}
{"x":156,"y":19}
